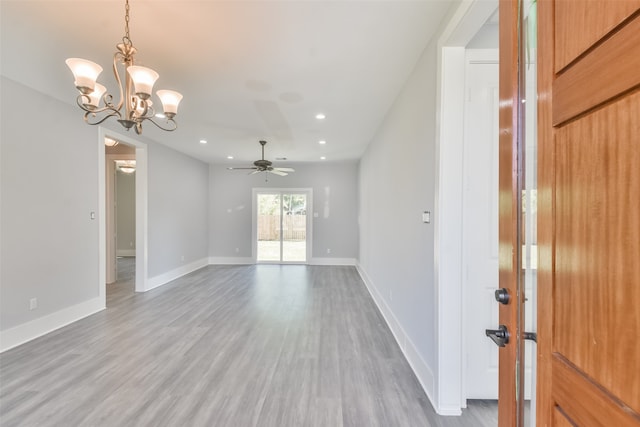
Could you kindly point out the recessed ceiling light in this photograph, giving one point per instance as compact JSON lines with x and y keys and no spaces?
{"x":203,"y":141}
{"x":230,"y":157}
{"x":323,"y":158}
{"x":320,"y":116}
{"x":322,"y":142}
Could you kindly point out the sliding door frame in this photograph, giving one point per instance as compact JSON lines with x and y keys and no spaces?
{"x":254,"y":221}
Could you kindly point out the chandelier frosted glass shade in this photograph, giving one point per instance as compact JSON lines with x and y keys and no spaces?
{"x":143,"y":80}
{"x":170,"y":100}
{"x":85,"y":73}
{"x":134,"y":105}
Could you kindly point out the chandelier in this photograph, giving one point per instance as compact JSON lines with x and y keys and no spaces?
{"x":135,"y":95}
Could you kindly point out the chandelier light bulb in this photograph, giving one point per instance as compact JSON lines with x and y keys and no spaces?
{"x":143,"y":80}
{"x":141,"y":106}
{"x":85,"y":73}
{"x":170,"y":100}
{"x":94,"y":97}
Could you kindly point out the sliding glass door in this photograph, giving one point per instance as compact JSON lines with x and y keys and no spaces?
{"x":281,"y":225}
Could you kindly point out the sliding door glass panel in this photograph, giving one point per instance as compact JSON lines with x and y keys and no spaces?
{"x":294,"y":228}
{"x":269,"y":210}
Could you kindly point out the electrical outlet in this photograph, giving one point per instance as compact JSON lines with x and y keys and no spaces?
{"x":33,"y":303}
{"x":182,"y":258}
{"x":328,"y":250}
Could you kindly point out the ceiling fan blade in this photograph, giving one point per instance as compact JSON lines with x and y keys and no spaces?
{"x":263,"y":165}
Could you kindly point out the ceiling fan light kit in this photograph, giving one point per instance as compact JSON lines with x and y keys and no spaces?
{"x":266,"y":166}
{"x":135,"y":95}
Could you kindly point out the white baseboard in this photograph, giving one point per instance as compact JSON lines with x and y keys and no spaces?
{"x":249,"y":260}
{"x":417,"y":363}
{"x":332,"y":261}
{"x":448,"y":411}
{"x":36,"y":328}
{"x":164,"y":278}
{"x":217,"y":260}
{"x":126,"y":252}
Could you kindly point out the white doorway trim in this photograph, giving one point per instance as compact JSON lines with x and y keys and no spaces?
{"x":141,"y":210}
{"x":254,"y":220}
{"x":464,"y":24}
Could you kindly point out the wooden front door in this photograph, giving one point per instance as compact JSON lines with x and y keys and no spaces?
{"x":511,"y":372}
{"x":589,"y":213}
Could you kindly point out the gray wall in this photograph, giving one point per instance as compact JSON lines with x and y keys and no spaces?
{"x":49,"y":244}
{"x":335,"y":199}
{"x":125,"y":212}
{"x":397,"y":183}
{"x":178,"y":187}
{"x":49,"y":183}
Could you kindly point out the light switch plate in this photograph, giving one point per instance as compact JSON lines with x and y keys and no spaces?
{"x":426,"y":217}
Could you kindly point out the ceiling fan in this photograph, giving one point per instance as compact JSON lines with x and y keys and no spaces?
{"x":263,"y":165}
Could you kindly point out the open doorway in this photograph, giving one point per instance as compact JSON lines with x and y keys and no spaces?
{"x":131,"y":244}
{"x":466,"y":193}
{"x":120,"y":205}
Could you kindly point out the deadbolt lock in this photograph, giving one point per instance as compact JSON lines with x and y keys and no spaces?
{"x":502,"y":296}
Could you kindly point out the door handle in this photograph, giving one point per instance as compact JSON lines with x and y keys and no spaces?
{"x":499,"y":336}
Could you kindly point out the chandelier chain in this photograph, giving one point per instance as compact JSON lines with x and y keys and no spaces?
{"x":126,"y":39}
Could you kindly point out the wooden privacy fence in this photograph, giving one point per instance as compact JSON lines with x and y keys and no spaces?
{"x":294,"y":226}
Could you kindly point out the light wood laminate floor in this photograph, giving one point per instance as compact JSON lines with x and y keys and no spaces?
{"x":232,"y":346}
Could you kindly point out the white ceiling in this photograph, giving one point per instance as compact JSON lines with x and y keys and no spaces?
{"x":248,"y":70}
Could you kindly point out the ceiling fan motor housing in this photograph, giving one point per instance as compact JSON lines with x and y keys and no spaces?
{"x":262,"y":164}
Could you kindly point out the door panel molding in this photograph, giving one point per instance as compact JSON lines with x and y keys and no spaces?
{"x":595,"y":404}
{"x":609,"y":70}
{"x":600,"y":17}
